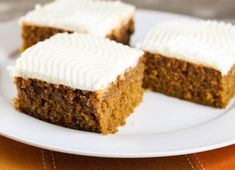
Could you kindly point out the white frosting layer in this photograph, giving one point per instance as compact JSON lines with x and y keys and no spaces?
{"x":84,"y":16}
{"x":209,"y":43}
{"x":80,"y":61}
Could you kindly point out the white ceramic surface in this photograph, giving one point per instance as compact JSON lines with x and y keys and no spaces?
{"x":160,"y":126}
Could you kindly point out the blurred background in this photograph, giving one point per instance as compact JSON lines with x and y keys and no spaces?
{"x":208,"y":9}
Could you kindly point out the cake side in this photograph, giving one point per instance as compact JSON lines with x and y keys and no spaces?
{"x":229,"y":84}
{"x":100,"y":112}
{"x":189,"y":81}
{"x":123,"y":33}
{"x":57,"y":104}
{"x":121,"y":98}
{"x":31,"y":34}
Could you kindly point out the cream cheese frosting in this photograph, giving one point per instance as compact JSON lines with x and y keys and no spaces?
{"x":209,"y":43}
{"x":98,"y":17}
{"x":80,"y":61}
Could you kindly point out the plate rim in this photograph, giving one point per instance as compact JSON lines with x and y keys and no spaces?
{"x":122,"y":155}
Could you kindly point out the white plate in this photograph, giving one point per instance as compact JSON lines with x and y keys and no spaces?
{"x":161,"y":126}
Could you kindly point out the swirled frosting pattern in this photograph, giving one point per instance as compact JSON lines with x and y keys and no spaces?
{"x":96,"y":17}
{"x":80,"y":61}
{"x":208,"y":43}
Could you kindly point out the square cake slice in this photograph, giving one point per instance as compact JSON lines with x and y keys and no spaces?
{"x":79,"y":81}
{"x":191,"y":60}
{"x":110,"y":19}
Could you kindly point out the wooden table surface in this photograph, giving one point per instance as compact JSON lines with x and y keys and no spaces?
{"x":209,"y":9}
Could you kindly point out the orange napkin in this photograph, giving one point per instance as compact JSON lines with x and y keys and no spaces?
{"x":18,"y":156}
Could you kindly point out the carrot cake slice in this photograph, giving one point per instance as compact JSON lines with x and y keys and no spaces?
{"x":110,"y":19}
{"x":79,"y":81}
{"x":191,"y":60}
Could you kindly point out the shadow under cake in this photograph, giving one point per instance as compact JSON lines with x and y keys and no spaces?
{"x":108,"y":19}
{"x":191,"y":60}
{"x":69,"y":81}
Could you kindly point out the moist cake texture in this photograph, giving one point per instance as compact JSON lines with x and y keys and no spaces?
{"x":191,"y":60}
{"x":110,"y":19}
{"x":79,"y":81}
